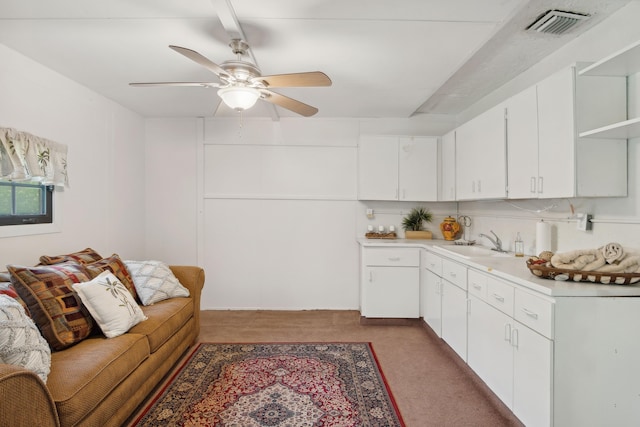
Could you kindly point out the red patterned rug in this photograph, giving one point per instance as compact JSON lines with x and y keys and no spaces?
{"x":275,"y":385}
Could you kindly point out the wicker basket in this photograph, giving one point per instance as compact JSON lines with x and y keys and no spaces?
{"x":391,"y":235}
{"x":606,"y":278}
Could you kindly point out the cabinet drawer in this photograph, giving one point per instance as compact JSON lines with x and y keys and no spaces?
{"x":477,"y":284}
{"x":534,"y":312}
{"x":392,"y":257}
{"x":433,"y":263}
{"x":454,"y":273}
{"x":500,"y":295}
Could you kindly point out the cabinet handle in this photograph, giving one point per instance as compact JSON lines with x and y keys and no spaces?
{"x":370,"y":276}
{"x":530,"y":313}
{"x":540,"y":182}
{"x":452,"y":274}
{"x":394,"y":258}
{"x":479,"y":186}
{"x":514,"y":338}
{"x":532,"y":187}
{"x":476,"y":286}
{"x":498,"y":297}
{"x":507,"y":332}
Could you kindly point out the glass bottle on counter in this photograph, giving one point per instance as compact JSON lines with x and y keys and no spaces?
{"x":519,"y":246}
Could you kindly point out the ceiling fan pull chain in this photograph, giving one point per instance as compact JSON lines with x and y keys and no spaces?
{"x":240,"y":124}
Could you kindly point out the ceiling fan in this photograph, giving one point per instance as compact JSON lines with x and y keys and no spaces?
{"x":242,"y":84}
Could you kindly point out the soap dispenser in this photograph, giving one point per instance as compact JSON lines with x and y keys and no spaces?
{"x":519,"y":246}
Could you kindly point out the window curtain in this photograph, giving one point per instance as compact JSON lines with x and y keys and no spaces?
{"x":29,"y":158}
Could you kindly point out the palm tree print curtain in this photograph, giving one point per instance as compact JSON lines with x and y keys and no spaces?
{"x":29,"y":158}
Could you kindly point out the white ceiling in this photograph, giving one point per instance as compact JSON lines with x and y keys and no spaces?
{"x":386,"y":59}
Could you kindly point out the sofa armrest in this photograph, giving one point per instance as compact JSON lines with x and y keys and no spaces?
{"x":192,"y":278}
{"x":25,"y":399}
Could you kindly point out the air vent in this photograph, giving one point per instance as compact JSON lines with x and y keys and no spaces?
{"x":557,"y":22}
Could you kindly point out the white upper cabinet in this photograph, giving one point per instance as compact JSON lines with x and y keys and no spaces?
{"x":523,"y":180}
{"x":569,"y":166}
{"x":418,"y":168}
{"x":448,"y":167}
{"x":398,"y":168}
{"x":481,"y":157}
{"x":546,"y":158}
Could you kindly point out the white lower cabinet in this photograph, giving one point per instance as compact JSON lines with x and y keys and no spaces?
{"x":513,"y":360}
{"x":432,"y":301}
{"x":532,"y":376}
{"x":454,"y":318}
{"x":431,"y":291}
{"x":563,"y":361}
{"x":454,"y":306}
{"x":490,"y":351}
{"x":390,"y":283}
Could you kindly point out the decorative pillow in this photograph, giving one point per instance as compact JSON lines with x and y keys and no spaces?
{"x":6,"y":288}
{"x":115,"y":265}
{"x":110,"y":303}
{"x":155,"y":281}
{"x":20,"y":341}
{"x":55,"y":307}
{"x":85,"y":256}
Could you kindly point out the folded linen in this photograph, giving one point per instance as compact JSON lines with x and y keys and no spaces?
{"x":630,"y":264}
{"x":613,"y":252}
{"x":580,"y":259}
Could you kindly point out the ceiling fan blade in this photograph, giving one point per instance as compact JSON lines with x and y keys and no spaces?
{"x":198,"y":84}
{"x":208,"y":64}
{"x":288,"y":103}
{"x":309,"y":79}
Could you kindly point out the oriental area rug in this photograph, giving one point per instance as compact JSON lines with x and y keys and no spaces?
{"x":275,"y":385}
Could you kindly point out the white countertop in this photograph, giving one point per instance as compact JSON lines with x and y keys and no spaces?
{"x":512,"y":269}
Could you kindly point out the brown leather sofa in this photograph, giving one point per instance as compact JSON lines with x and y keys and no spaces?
{"x":101,"y":381}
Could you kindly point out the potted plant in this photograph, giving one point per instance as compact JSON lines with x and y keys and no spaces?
{"x":413,"y":224}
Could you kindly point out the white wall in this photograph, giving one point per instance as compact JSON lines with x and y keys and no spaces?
{"x":104,"y":206}
{"x":171,"y":189}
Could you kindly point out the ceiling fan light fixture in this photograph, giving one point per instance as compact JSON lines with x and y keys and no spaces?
{"x":239,"y":98}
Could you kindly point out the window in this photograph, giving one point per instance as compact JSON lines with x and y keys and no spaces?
{"x":25,"y":203}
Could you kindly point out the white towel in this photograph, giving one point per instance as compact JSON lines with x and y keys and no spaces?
{"x":631,"y":264}
{"x":581,"y":259}
{"x":613,"y":252}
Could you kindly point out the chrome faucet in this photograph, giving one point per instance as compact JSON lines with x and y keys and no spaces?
{"x":497,"y":242}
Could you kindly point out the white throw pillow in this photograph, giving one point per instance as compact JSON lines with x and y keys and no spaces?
{"x":154,"y":281}
{"x":110,"y":303}
{"x":20,"y":340}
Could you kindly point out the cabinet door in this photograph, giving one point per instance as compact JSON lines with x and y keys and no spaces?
{"x":465,"y":168}
{"x":481,"y":157}
{"x":418,"y":169}
{"x":556,"y":135}
{"x":448,"y":167}
{"x":391,"y":292}
{"x":532,"y":370}
{"x":522,"y":144}
{"x":454,"y":318}
{"x":378,"y":168}
{"x":490,"y":353}
{"x":431,"y":301}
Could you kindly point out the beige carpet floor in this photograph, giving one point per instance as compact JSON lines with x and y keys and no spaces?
{"x":430,"y":383}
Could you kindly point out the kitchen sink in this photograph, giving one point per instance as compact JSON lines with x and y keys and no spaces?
{"x":472,"y":251}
